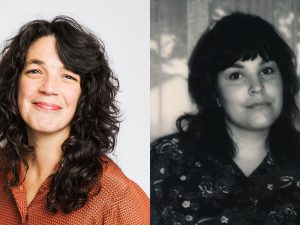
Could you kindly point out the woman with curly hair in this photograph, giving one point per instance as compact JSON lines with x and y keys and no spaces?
{"x":59,"y":117}
{"x":236,"y":159}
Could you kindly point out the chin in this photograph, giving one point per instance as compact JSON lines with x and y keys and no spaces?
{"x":262,"y":121}
{"x":47,"y":129}
{"x":261,"y":125}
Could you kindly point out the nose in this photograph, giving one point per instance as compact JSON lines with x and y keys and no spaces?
{"x":256,"y":86}
{"x":48,"y":86}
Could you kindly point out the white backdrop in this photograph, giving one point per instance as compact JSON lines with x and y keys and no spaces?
{"x":124,"y":27}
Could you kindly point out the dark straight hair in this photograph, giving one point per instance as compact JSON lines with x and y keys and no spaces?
{"x":234,"y":37}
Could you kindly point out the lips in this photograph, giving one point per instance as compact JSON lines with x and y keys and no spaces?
{"x":47,"y":106}
{"x":258,"y":105}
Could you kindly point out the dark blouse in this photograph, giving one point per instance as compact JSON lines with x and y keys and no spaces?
{"x":191,"y":187}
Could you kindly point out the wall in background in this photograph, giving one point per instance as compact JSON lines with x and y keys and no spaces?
{"x":124,"y":28}
{"x":176,"y":26}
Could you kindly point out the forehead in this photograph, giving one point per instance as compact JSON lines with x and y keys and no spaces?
{"x":42,"y":44}
{"x":43,"y":51}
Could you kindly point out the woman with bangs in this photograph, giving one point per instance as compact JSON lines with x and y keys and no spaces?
{"x":234,"y":161}
{"x":59,"y":118}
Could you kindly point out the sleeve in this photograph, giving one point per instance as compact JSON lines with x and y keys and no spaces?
{"x":160,"y":163}
{"x":132,"y":209}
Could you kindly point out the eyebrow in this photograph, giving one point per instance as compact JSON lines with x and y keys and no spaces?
{"x":240,"y":65}
{"x":35,"y":61}
{"x":237,"y":65}
{"x":40,"y":62}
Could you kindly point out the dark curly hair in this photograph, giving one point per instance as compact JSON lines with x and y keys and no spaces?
{"x":239,"y":36}
{"x":96,"y":120}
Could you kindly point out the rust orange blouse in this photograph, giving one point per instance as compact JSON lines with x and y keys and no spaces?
{"x":119,"y":202}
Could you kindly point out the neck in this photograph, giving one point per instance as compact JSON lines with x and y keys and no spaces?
{"x":249,"y":143}
{"x":252,"y":148}
{"x":47,"y":151}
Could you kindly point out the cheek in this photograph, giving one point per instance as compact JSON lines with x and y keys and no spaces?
{"x":25,"y":90}
{"x":279,"y":89}
{"x":274,"y":88}
{"x":72,"y":98}
{"x":230,"y":96}
{"x":276,"y":92}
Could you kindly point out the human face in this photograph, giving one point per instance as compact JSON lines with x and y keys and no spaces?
{"x":250,"y":93}
{"x":48,"y":93}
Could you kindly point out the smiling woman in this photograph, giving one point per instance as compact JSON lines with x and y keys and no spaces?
{"x":59,"y":118}
{"x":48,"y":92}
{"x":236,"y":160}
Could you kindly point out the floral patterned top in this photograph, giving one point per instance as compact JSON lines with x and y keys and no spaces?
{"x":190,"y":187}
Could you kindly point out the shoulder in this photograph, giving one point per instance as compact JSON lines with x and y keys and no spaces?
{"x":175,"y":151}
{"x":173,"y":159}
{"x":179,"y":157}
{"x":167,"y":147}
{"x":3,"y":178}
{"x":167,"y":157}
{"x":122,"y":199}
{"x":178,"y":145}
{"x":114,"y":183}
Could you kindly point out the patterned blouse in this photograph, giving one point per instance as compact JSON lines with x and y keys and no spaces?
{"x":189,"y":187}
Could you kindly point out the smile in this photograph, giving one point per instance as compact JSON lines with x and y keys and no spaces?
{"x":259,"y":105}
{"x":47,"y":106}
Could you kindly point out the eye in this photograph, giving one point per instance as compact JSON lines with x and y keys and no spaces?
{"x":34,"y":71}
{"x":267,"y":70}
{"x":69,"y":77}
{"x":235,"y":76}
